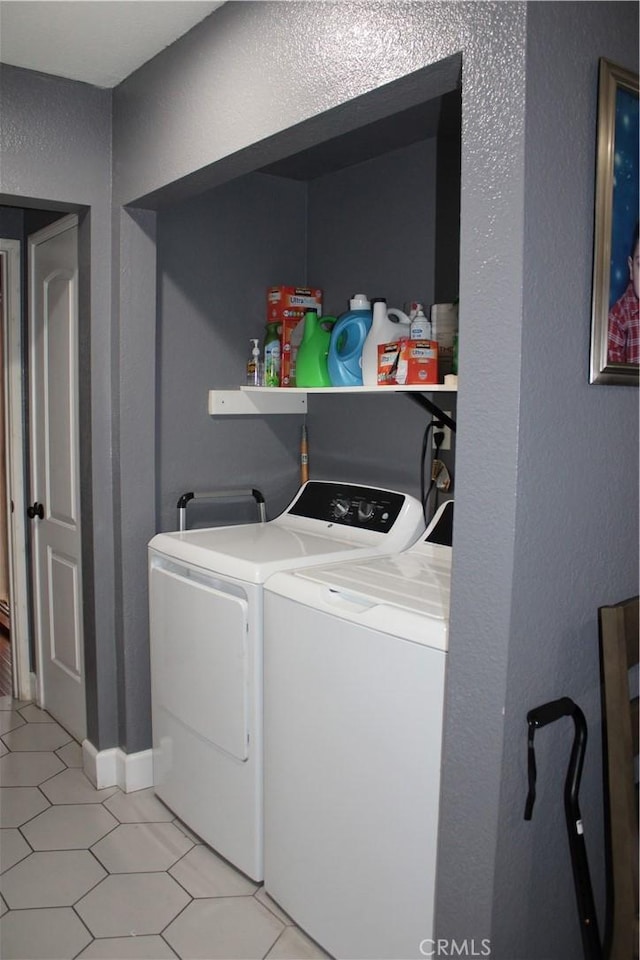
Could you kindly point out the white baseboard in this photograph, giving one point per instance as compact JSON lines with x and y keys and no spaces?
{"x":115,"y":768}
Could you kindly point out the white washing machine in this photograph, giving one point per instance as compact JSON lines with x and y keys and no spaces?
{"x":206,"y":636}
{"x":355,"y":658}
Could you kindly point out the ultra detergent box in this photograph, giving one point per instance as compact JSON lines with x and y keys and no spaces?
{"x":288,"y":305}
{"x":408,"y":362}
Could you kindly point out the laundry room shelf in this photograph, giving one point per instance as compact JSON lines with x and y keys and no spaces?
{"x":247,"y":401}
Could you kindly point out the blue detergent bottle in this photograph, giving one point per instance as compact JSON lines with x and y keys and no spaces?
{"x":344,"y":362}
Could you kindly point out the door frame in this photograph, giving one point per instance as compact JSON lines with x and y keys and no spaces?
{"x":13,"y":362}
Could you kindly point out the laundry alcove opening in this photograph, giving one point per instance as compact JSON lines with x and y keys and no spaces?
{"x":375,"y":209}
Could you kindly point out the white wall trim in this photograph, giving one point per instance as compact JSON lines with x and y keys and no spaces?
{"x":115,"y":768}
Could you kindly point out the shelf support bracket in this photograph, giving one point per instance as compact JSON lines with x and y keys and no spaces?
{"x":435,"y":411}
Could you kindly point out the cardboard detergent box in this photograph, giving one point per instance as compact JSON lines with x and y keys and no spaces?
{"x":408,"y":362}
{"x":287,"y":303}
{"x":287,"y":306}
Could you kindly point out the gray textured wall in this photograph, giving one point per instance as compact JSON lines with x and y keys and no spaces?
{"x":217,"y":254}
{"x":372,"y":229}
{"x":12,"y":223}
{"x":576,"y":539}
{"x":216,"y":257}
{"x":56,"y":154}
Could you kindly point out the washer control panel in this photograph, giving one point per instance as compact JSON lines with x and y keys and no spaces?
{"x":349,"y":504}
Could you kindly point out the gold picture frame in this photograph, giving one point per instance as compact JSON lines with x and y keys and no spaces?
{"x":616,"y":218}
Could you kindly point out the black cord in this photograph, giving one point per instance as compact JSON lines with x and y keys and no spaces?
{"x":425,"y":502}
{"x":424,"y":496}
{"x":438,"y":440}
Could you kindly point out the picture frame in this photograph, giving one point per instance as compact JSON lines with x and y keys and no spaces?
{"x":615,"y":224}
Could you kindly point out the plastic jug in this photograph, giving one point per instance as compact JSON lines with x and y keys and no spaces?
{"x":347,"y":340}
{"x":311,"y":362}
{"x":383,"y":330}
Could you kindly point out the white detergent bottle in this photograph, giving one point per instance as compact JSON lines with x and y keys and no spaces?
{"x":383,"y":330}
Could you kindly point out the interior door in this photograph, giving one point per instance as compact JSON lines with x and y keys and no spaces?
{"x":55,"y":475}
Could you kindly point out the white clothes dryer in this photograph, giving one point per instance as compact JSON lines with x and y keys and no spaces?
{"x":355,"y":659}
{"x":206,"y":639}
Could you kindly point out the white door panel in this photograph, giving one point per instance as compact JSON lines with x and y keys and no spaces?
{"x":55,"y":472}
{"x":201,"y":670}
{"x":60,"y":400}
{"x":65,"y":638}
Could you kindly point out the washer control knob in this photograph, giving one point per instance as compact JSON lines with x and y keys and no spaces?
{"x":341,"y":507}
{"x":366,"y":511}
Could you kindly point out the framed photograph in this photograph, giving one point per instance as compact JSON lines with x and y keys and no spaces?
{"x":615,"y":326}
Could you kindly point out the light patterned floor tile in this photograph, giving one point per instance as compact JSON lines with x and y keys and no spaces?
{"x":183,"y":828}
{"x":37,"y":736}
{"x":42,"y":935}
{"x":132,"y":904}
{"x":28,"y":769}
{"x":203,"y":874}
{"x":8,"y":703}
{"x":71,"y":754}
{"x":233,"y":928}
{"x":50,"y":879}
{"x":133,"y":915}
{"x":141,"y":848}
{"x":128,"y":948}
{"x":20,"y":804}
{"x":71,"y":786}
{"x":294,"y":945}
{"x":13,"y":849}
{"x":33,"y":714}
{"x":142,"y":806}
{"x":270,"y":904}
{"x":73,"y":826}
{"x":10,"y":720}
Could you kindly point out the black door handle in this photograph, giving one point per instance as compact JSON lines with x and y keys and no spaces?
{"x":37,"y":510}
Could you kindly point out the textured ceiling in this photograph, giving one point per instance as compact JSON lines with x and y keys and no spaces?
{"x":97,"y":41}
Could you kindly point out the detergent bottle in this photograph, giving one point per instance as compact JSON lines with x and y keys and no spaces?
{"x":383,"y":330}
{"x":272,"y":355}
{"x":347,"y":340}
{"x":311,"y":361}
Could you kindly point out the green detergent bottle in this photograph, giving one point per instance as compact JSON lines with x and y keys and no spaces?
{"x":311,"y":362}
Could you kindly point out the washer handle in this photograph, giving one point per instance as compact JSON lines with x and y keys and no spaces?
{"x":347,"y":601}
{"x":186,"y":498}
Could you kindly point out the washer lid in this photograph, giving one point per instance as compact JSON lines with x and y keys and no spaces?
{"x":407,"y":581}
{"x":252,"y":552}
{"x":325,"y":522}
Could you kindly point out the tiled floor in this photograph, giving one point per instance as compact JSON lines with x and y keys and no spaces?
{"x":103,"y":874}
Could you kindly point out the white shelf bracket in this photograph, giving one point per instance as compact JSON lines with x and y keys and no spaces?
{"x":257,"y":403}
